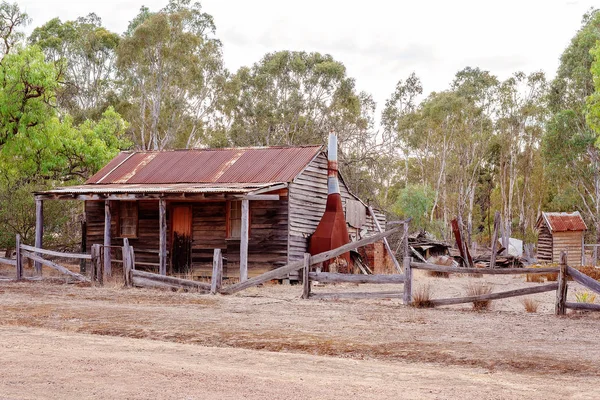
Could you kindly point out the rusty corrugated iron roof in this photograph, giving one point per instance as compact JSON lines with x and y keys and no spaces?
{"x":216,"y":166}
{"x":563,"y":222}
{"x":120,"y":188}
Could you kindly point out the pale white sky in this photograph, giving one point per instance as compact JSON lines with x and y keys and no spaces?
{"x":379,"y":41}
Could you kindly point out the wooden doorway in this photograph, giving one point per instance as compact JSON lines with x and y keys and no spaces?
{"x":181,"y":239}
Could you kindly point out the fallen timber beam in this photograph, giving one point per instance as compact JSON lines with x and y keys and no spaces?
{"x":144,"y":279}
{"x":55,"y":266}
{"x":56,"y":253}
{"x":282,"y":272}
{"x":495,"y":271}
{"x":8,"y":261}
{"x":583,"y":306}
{"x":495,"y":296}
{"x":357,"y":295}
{"x":585,"y":280}
{"x":328,"y":277}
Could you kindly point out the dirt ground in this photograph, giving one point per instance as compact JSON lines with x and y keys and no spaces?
{"x":69,"y":341}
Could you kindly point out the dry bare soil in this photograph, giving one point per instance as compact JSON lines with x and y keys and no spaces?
{"x":72,"y":342}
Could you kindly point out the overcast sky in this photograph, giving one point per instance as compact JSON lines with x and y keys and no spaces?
{"x":379,"y":41}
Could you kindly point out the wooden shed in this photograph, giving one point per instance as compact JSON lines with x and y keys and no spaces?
{"x":258,"y":205}
{"x":560,"y":231}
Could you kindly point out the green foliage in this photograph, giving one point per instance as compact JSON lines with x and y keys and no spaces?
{"x":173,"y":75}
{"x":415,"y":201}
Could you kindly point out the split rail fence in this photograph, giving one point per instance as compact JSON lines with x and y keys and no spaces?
{"x":133,"y":277}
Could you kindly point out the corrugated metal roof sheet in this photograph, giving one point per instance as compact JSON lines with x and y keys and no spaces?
{"x":116,"y":188}
{"x":234,"y":165}
{"x":563,"y":222}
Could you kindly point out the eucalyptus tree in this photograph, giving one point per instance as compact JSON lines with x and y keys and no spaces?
{"x":572,"y":159}
{"x":173,"y":74}
{"x":519,"y":126}
{"x":478,"y":90}
{"x":293,"y":97}
{"x":84,"y":54}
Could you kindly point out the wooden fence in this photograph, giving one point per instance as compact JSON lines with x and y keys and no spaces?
{"x":133,"y":277}
{"x":35,"y":254}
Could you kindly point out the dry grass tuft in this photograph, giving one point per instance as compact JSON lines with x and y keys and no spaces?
{"x":438,"y":274}
{"x":478,"y":289}
{"x":422,"y":297}
{"x":531,"y":305}
{"x":537,"y":278}
{"x":585,"y":297}
{"x":591,"y":271}
{"x":551,"y":276}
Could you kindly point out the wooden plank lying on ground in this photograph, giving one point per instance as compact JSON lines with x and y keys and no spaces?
{"x":56,"y":253}
{"x":495,"y":271}
{"x":357,"y":295}
{"x":148,"y":279}
{"x":282,"y":272}
{"x":585,"y":280}
{"x":55,"y":266}
{"x":495,"y":296}
{"x":328,"y":277}
{"x":8,"y":261}
{"x":583,"y":306}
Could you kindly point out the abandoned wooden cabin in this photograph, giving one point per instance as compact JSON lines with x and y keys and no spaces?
{"x":558,"y":232}
{"x":258,"y":205}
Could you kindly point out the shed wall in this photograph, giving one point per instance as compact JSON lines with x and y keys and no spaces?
{"x":544,"y":250}
{"x":308,"y":196}
{"x":569,"y":242}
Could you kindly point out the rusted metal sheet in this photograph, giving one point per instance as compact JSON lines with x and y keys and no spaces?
{"x":235,"y":165}
{"x":564,"y":222}
{"x":152,"y":188}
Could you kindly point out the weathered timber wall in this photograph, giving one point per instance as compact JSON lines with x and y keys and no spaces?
{"x":267,"y":244}
{"x":209,"y":230}
{"x":147,"y":229}
{"x":544,"y":250}
{"x":308,"y":196}
{"x":569,"y":242}
{"x":267,"y":247}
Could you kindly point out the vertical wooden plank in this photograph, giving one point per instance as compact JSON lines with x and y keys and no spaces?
{"x":495,"y":239}
{"x":19,"y":258}
{"x":96,"y":275}
{"x":385,"y":241}
{"x":582,"y":248}
{"x":561,"y":292}
{"x":407,"y":270}
{"x":132,"y":257}
{"x":82,"y":262}
{"x":126,"y":252}
{"x":217,"y":272}
{"x":107,"y":239}
{"x":162,"y":210}
{"x":244,"y":240}
{"x":39,"y":231}
{"x":305,"y":277}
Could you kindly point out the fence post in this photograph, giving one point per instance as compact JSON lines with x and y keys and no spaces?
{"x":305,"y":277}
{"x":495,"y":239}
{"x":217,"y":272}
{"x":126,"y":250}
{"x":19,"y":258}
{"x":561,"y":291}
{"x":407,"y":271}
{"x":97,"y":274}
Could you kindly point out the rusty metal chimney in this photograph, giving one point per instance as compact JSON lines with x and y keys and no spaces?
{"x":332,"y":231}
